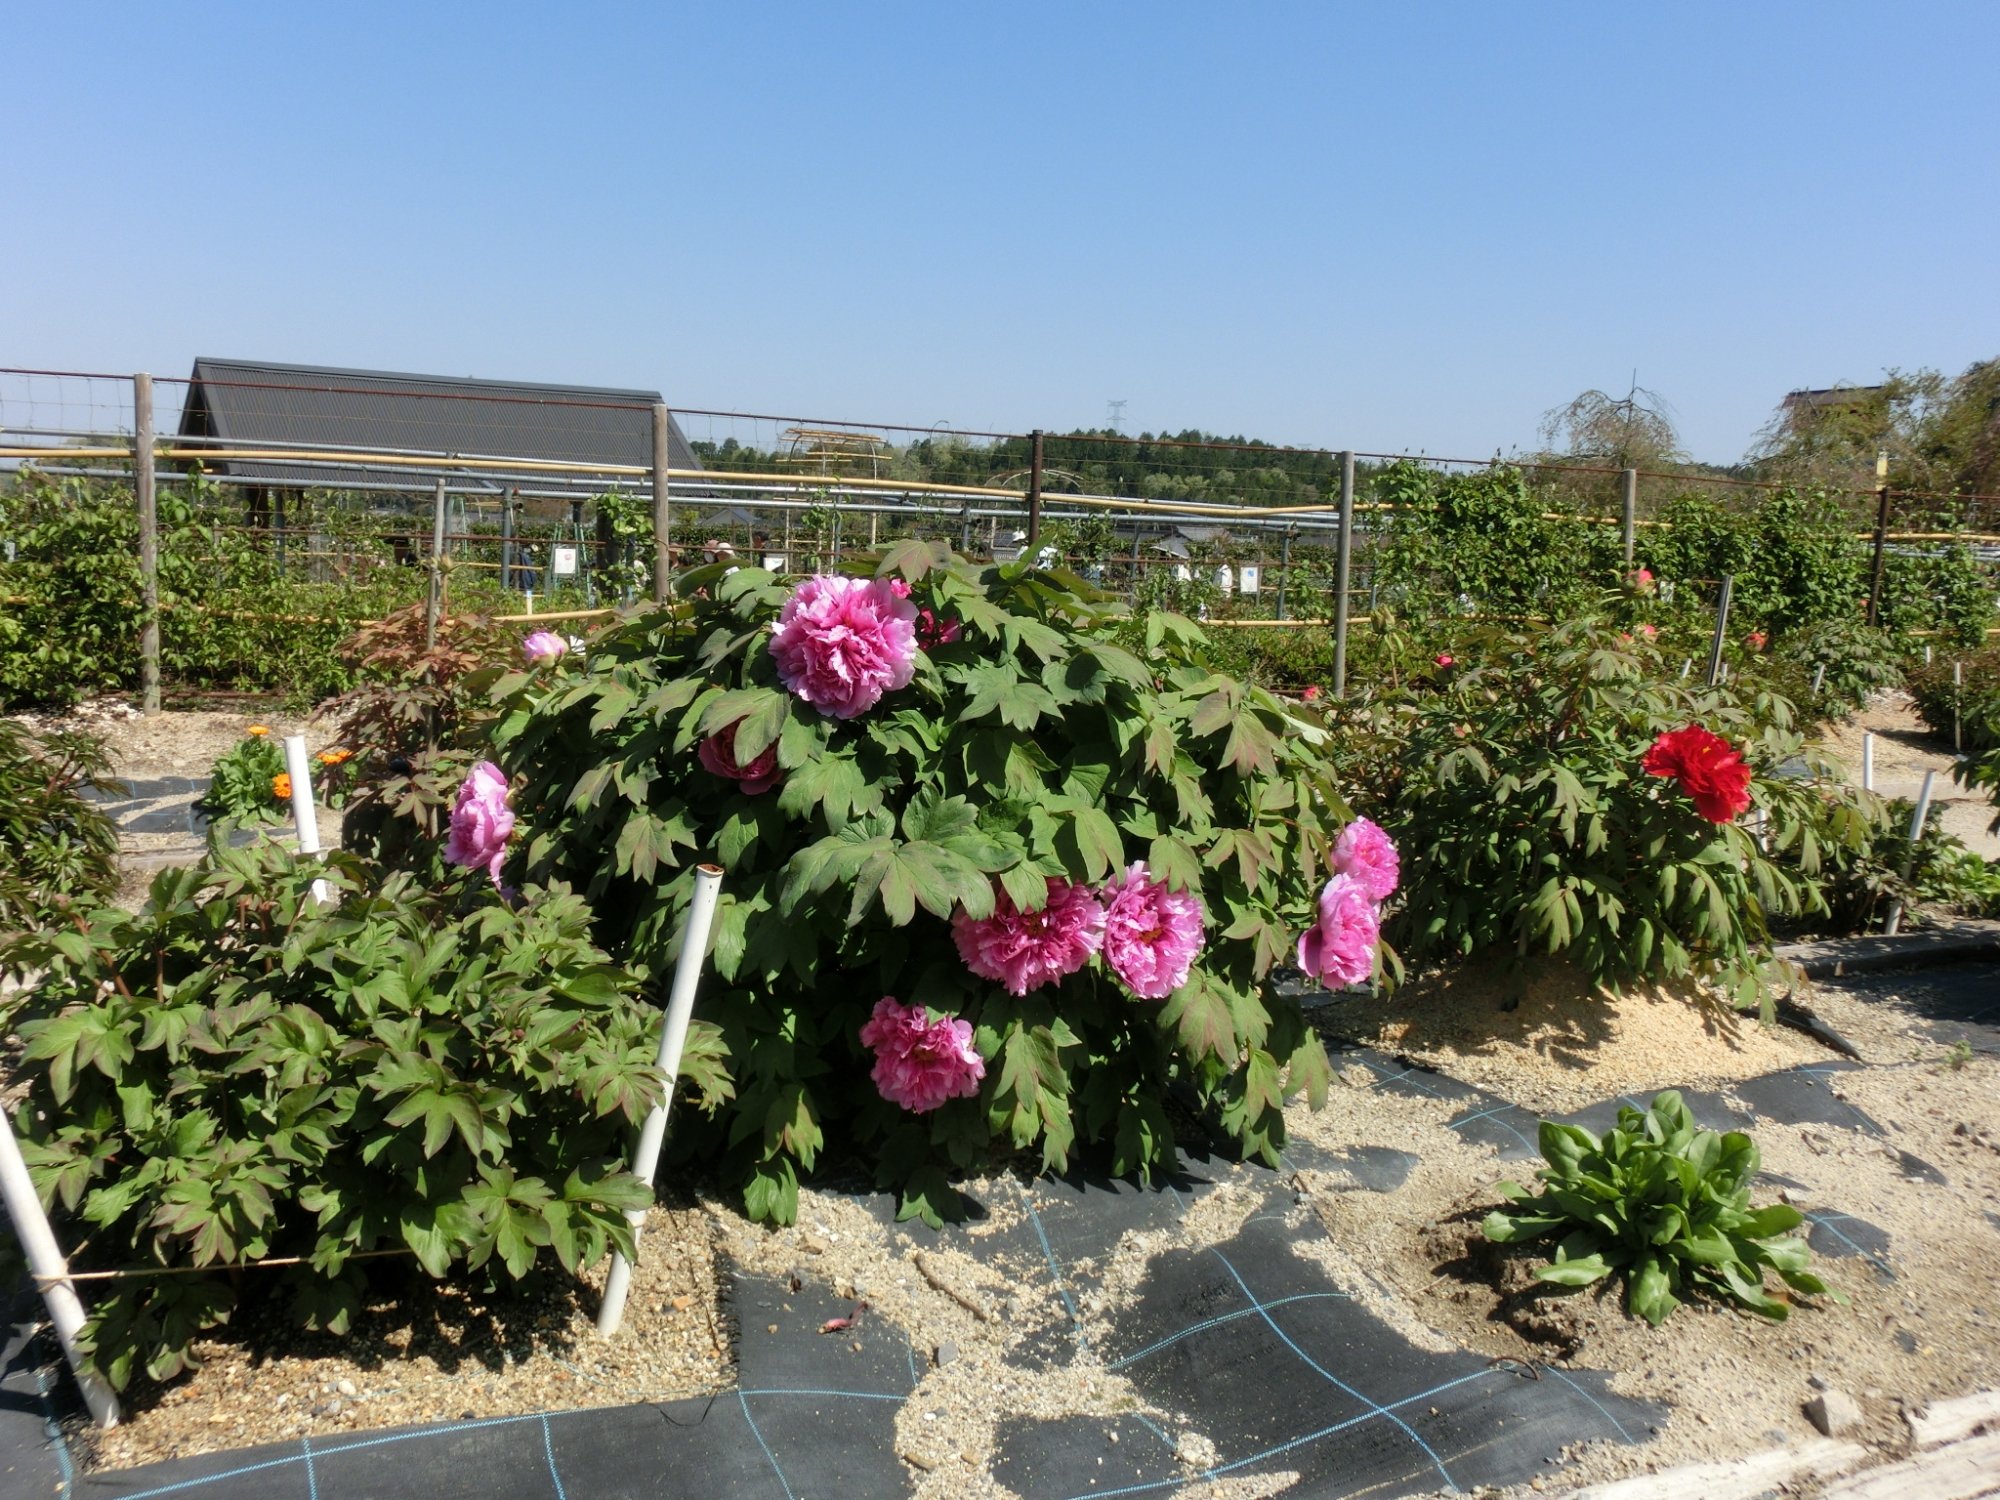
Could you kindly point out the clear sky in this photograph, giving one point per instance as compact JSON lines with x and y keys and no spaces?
{"x":1385,"y":226}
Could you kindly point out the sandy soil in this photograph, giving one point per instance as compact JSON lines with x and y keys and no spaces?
{"x":1905,"y":749}
{"x":427,"y":1352}
{"x":179,"y":742}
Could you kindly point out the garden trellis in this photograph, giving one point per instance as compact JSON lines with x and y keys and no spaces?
{"x":323,"y":507}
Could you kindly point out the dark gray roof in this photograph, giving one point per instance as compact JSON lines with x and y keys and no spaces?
{"x":251,"y":402}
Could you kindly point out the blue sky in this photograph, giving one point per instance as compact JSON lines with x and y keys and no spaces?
{"x":1392,"y":227}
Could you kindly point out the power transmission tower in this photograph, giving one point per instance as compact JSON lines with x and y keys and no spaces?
{"x":1117,"y":409}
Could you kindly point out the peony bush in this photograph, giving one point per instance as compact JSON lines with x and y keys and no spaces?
{"x":1568,"y":792}
{"x":1005,"y":866}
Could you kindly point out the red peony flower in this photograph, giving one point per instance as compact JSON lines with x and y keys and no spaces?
{"x":1708,"y":767}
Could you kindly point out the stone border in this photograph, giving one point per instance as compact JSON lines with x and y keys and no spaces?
{"x":1833,"y":958}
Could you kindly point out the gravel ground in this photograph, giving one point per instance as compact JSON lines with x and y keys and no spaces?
{"x":426,"y":1352}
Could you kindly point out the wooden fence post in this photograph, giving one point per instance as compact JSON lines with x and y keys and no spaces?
{"x":663,"y":557}
{"x":434,"y":601}
{"x":149,"y":544}
{"x":1034,"y":491}
{"x":1628,"y":483}
{"x":1342,"y":566}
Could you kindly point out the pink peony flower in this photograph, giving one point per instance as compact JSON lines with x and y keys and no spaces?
{"x":900,"y":587}
{"x":921,"y":1061}
{"x":841,"y":643}
{"x":1026,"y":950}
{"x":717,"y":755}
{"x":1364,"y":851}
{"x":543,"y":645}
{"x":1445,"y":659}
{"x":933,"y":630}
{"x":1339,"y":949}
{"x":481,"y":821}
{"x":1151,"y":934}
{"x":1311,"y":694}
{"x":1649,"y":631}
{"x":1641,"y":580}
{"x":1756,"y":640}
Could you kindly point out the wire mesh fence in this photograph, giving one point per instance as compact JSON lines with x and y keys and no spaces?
{"x":329,"y":497}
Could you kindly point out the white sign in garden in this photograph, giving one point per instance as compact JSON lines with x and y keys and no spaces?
{"x":562,"y":561}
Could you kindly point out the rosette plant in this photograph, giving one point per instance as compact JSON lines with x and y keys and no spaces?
{"x":1063,"y":850}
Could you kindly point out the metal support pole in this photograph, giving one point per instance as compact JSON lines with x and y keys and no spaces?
{"x":1628,"y":482}
{"x":1721,"y":628}
{"x":663,"y":566}
{"x":1957,"y":706}
{"x":149,"y":544}
{"x":673,"y":1036}
{"x":1881,"y":537}
{"x":965,"y":529}
{"x":1284,"y":571}
{"x":1342,"y":567}
{"x":51,"y":1272}
{"x":1868,"y":760}
{"x":434,"y":601}
{"x":1035,"y":490}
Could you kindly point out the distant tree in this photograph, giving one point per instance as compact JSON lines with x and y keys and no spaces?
{"x":1633,"y":431}
{"x":1941,"y":434}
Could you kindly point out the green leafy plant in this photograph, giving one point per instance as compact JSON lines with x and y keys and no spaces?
{"x":1664,"y":1205}
{"x":1039,"y":742}
{"x":411,"y":721}
{"x":56,"y":846}
{"x":248,"y":783}
{"x":1513,"y":782}
{"x":235,"y":1074}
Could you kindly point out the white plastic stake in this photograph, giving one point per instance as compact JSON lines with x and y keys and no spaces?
{"x":673,"y":1037}
{"x":529,"y":595}
{"x":304,"y":816}
{"x":1867,"y":760}
{"x":1917,"y":817}
{"x":1819,"y":678}
{"x":51,"y":1271}
{"x":1957,"y":693}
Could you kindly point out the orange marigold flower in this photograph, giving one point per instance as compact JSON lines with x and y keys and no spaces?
{"x":334,"y":757}
{"x":281,"y":786}
{"x":258,"y":731}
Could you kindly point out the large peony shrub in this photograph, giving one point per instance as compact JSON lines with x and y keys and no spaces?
{"x":1003,"y":864}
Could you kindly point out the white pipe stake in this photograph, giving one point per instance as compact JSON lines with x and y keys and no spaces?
{"x":304,"y":816}
{"x":529,"y":595}
{"x":51,"y":1271}
{"x":1868,"y":760}
{"x":1819,"y":678}
{"x":673,"y":1038}
{"x":1917,"y":816}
